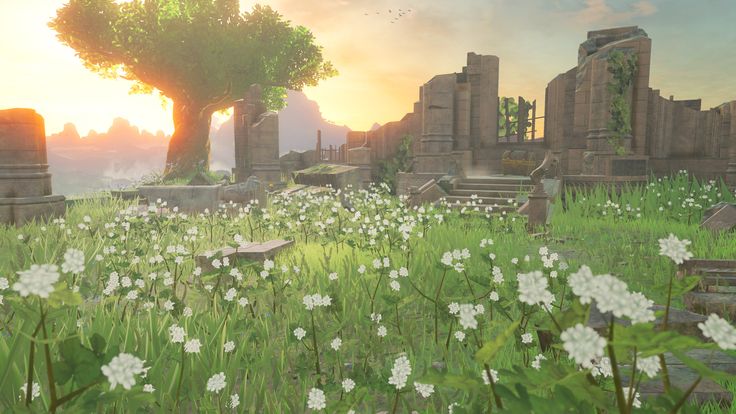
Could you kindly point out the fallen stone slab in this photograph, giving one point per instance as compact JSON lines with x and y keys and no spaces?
{"x":255,"y":252}
{"x":189,"y":198}
{"x":682,"y":377}
{"x":722,"y":304}
{"x":721,"y":217}
{"x":679,"y":320}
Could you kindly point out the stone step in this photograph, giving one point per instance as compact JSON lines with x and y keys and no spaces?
{"x":483,"y":208}
{"x":722,"y":304}
{"x":464,"y":185}
{"x":718,"y":280}
{"x":486,"y":193}
{"x":721,"y":289}
{"x":678,"y":320}
{"x":486,"y":201}
{"x":682,"y":377}
{"x":257,"y":252}
{"x":513,"y":180}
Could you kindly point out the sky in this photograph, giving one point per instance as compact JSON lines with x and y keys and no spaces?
{"x":382,"y":64}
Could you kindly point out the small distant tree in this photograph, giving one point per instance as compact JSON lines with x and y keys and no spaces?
{"x":202,"y":54}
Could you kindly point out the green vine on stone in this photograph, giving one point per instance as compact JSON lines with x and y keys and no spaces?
{"x":401,"y":162}
{"x":623,"y":68}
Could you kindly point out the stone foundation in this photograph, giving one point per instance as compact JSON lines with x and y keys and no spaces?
{"x":189,"y":198}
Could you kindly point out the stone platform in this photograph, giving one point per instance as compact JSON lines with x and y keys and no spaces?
{"x":255,"y":252}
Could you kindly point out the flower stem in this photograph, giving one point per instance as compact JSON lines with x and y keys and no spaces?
{"x":396,"y":403}
{"x":314,"y":344}
{"x":181,"y":375}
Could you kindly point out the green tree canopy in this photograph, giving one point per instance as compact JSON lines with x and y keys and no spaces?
{"x":202,"y":54}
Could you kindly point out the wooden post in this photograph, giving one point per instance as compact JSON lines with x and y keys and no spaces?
{"x":508,"y":121}
{"x":521,"y":120}
{"x":534,"y":118}
{"x":319,"y":145}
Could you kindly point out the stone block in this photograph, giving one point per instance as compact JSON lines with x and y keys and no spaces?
{"x":254,"y":252}
{"x":721,"y":217}
{"x":335,"y":176}
{"x":187,"y":198}
{"x":250,"y":190}
{"x":19,"y":211}
{"x":359,"y":156}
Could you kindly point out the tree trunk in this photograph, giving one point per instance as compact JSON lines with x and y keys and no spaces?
{"x":189,"y":148}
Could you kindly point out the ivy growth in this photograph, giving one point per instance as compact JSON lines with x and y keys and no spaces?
{"x":401,"y":162}
{"x":623,"y":68}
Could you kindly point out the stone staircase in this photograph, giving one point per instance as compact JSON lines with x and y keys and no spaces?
{"x":499,"y":193}
{"x":716,"y":292}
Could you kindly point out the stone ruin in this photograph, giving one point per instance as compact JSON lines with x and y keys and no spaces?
{"x":256,"y":139}
{"x":25,"y":183}
{"x":455,"y":124}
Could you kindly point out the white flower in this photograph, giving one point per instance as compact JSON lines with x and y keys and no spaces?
{"x":348,"y":385}
{"x":583,"y":344}
{"x":230,"y":294}
{"x":460,"y":336}
{"x":332,"y":276}
{"x":316,"y":400}
{"x":122,"y":369}
{"x":73,"y":261}
{"x":425,"y":390}
{"x":229,"y":346}
{"x":454,"y":308}
{"x":526,"y":338}
{"x":650,"y":366}
{"x":336,"y":343}
{"x":533,"y":289}
{"x":494,"y":375}
{"x":38,"y":280}
{"x":187,"y":311}
{"x":637,"y":402}
{"x":582,"y":284}
{"x":35,"y":390}
{"x":148,"y":388}
{"x":381,"y":331}
{"x":675,"y":249}
{"x":395,"y":285}
{"x":216,"y":383}
{"x":268,"y":264}
{"x":234,"y":401}
{"x":720,"y":331}
{"x":467,"y":316}
{"x":4,"y":283}
{"x":400,"y":372}
{"x":493,"y":296}
{"x":300,"y":333}
{"x":602,"y":367}
{"x":192,"y":346}
{"x":177,"y":334}
{"x":169,"y":305}
{"x":537,"y":363}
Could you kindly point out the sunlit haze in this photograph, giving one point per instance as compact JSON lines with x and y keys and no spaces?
{"x":382,"y":64}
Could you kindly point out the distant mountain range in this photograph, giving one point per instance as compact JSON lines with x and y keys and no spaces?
{"x":124,"y":154}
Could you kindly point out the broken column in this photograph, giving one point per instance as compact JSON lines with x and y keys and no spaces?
{"x":436,"y":144}
{"x":25,"y":183}
{"x":730,"y":118}
{"x":256,"y":139}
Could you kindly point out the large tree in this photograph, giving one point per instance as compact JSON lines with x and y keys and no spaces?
{"x":202,"y":54}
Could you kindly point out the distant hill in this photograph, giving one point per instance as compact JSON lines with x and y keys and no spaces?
{"x":124,"y":153}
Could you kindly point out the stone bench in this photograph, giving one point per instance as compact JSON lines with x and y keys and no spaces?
{"x":255,"y":252}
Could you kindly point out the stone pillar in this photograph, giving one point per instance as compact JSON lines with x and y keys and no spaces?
{"x":25,"y":184}
{"x":731,"y":170}
{"x":436,"y":145}
{"x":241,"y":124}
{"x":482,"y":71}
{"x":256,"y":139}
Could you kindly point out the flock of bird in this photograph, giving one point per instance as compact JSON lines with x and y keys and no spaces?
{"x":394,"y":14}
